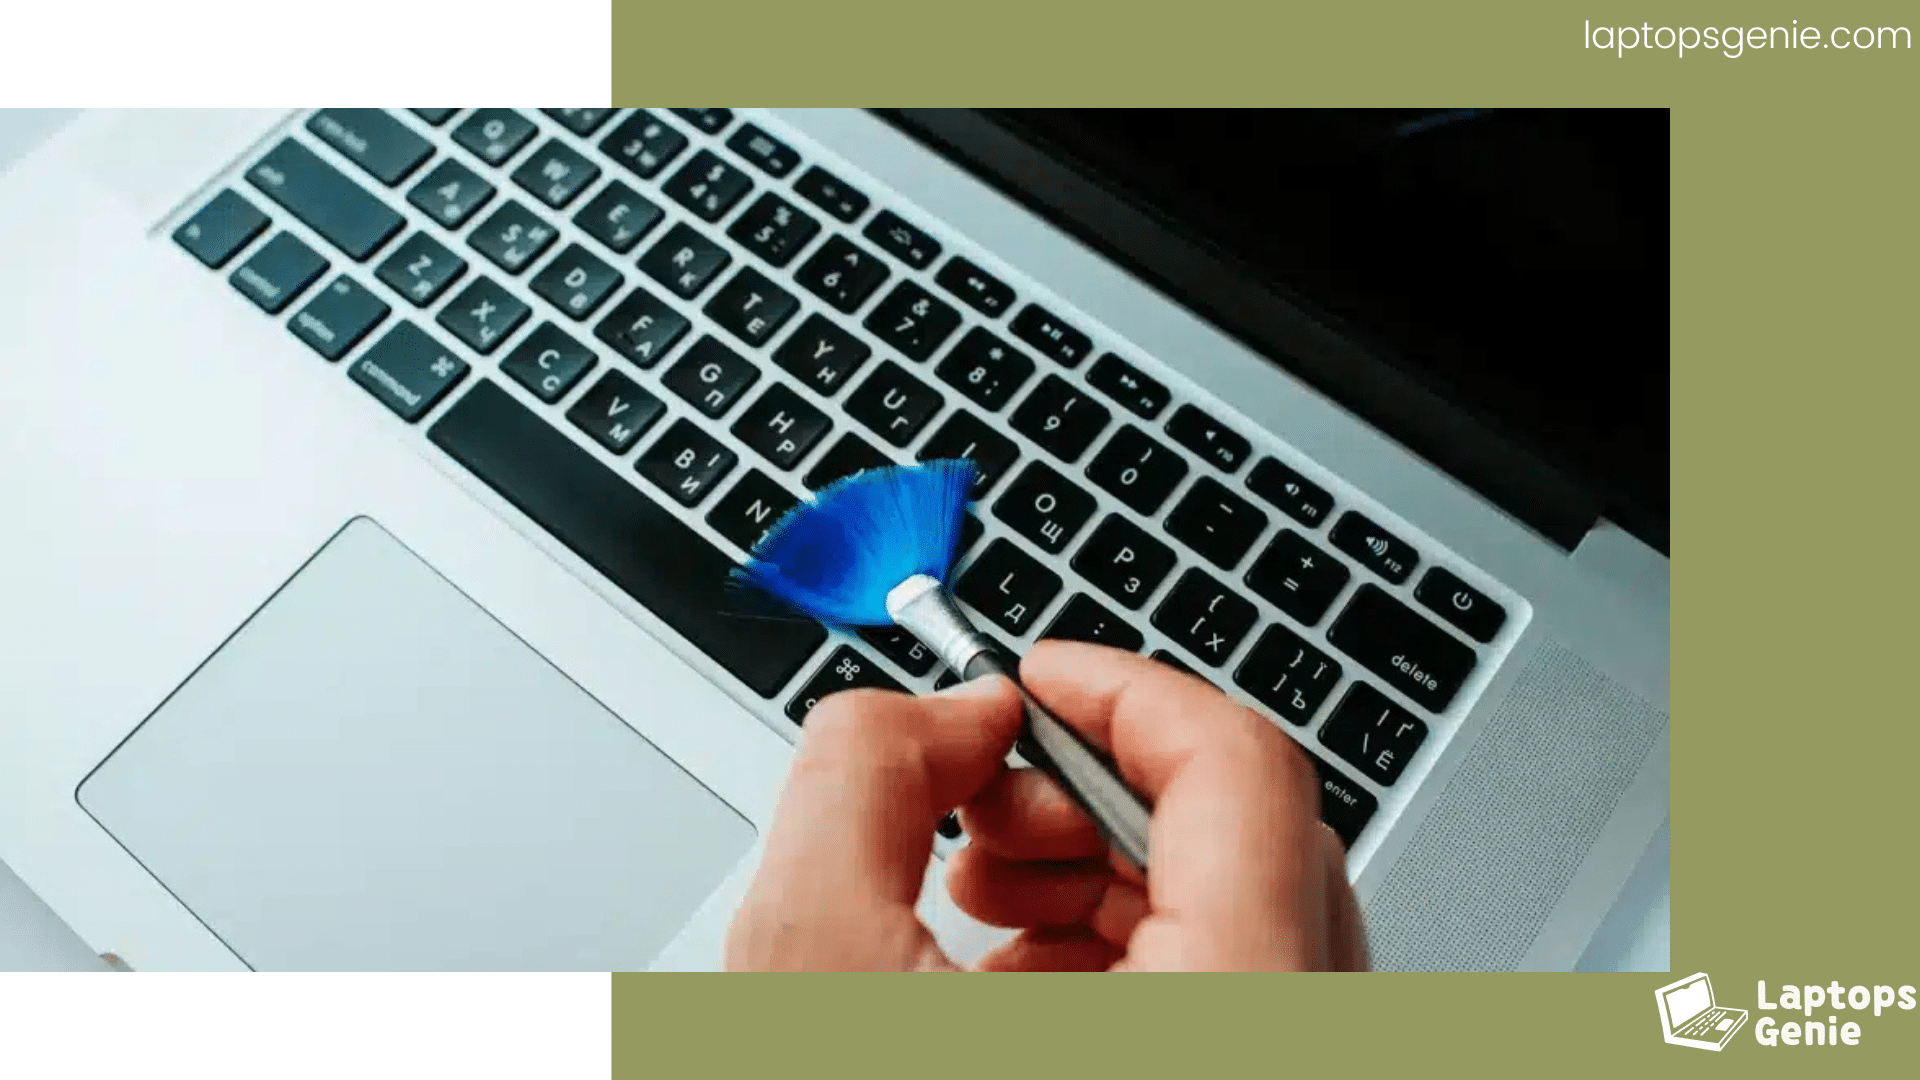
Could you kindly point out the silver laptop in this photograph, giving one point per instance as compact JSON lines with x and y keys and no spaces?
{"x":371,"y":478}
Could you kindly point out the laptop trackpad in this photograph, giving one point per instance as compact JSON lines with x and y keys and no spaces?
{"x":374,"y":774}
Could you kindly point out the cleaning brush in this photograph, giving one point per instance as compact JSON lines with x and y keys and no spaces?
{"x":875,"y":549}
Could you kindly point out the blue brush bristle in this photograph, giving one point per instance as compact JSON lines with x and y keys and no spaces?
{"x":837,"y":557}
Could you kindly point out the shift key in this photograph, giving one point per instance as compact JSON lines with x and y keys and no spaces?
{"x":322,"y":197}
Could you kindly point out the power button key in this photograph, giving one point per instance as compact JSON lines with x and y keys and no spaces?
{"x":1460,"y":604}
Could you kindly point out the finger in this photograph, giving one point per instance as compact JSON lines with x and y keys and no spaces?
{"x":1023,"y":814}
{"x":1347,"y":926}
{"x":1006,"y":892}
{"x":1063,"y":949}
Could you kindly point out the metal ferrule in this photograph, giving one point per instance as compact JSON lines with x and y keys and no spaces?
{"x":922,"y":608}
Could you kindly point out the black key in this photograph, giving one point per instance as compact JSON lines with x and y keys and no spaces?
{"x":582,"y":122}
{"x":1085,"y":620}
{"x":483,"y":315}
{"x":830,"y":193}
{"x":616,"y":412}
{"x":1138,"y":471}
{"x":844,"y":670}
{"x":281,"y":270}
{"x":1044,"y":331}
{"x":435,"y":117}
{"x":843,"y":459}
{"x":1373,"y":734}
{"x":1061,"y":419}
{"x":421,"y":269}
{"x":754,"y":505}
{"x":616,"y":528}
{"x":913,"y":320}
{"x":512,"y":237}
{"x":1288,"y":675}
{"x":1376,"y":549}
{"x":1209,"y":438}
{"x":1124,"y":561}
{"x":1174,"y":662}
{"x":1345,"y":806}
{"x":372,"y":139}
{"x":949,"y":826}
{"x":763,"y":151}
{"x":1297,"y":577}
{"x":1007,"y":586}
{"x":1044,"y":507}
{"x":1215,"y":522}
{"x":618,"y":217}
{"x":964,"y":436}
{"x":948,"y":678}
{"x":903,"y":241}
{"x":1205,"y":617}
{"x":642,"y":327}
{"x":710,"y":376}
{"x":686,"y":462}
{"x":900,"y":647}
{"x":345,"y":214}
{"x":643,"y":144}
{"x":494,"y":135}
{"x":222,"y":227}
{"x":708,"y":186}
{"x":576,"y":282}
{"x":752,"y":308}
{"x":782,"y":427}
{"x":986,"y":369}
{"x":1126,"y":384}
{"x":1466,"y":607}
{"x":1409,"y":653}
{"x":970,"y":533}
{"x":976,"y":288}
{"x":451,"y":193}
{"x":711,"y":121}
{"x":1302,"y":500}
{"x":842,"y":274}
{"x":338,"y":316}
{"x":556,"y":173}
{"x":408,"y":371}
{"x":684,"y":261}
{"x":821,"y":355}
{"x":772,"y":229}
{"x":894,"y":404}
{"x":548,"y":362}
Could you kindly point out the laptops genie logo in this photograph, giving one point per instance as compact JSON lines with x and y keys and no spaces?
{"x":1688,"y":1016}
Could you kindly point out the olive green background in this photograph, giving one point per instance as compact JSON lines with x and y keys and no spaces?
{"x":1793,"y":357}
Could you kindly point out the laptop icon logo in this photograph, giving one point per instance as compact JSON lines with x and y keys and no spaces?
{"x":1688,"y":1016}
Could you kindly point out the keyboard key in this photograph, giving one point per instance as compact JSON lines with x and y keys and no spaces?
{"x":744,"y":514}
{"x":1467,"y":608}
{"x":408,"y":371}
{"x":1045,"y":507}
{"x":616,"y":412}
{"x":556,"y":173}
{"x":964,"y":436}
{"x":1044,"y":331}
{"x":1138,"y":471}
{"x":949,"y":826}
{"x":345,"y":214}
{"x":901,"y":240}
{"x":338,"y":316}
{"x":1301,"y":499}
{"x":1061,"y":419}
{"x":913,"y":321}
{"x":1008,"y":587}
{"x":435,"y":117}
{"x":1297,"y":577}
{"x":576,"y":282}
{"x":1174,"y":662}
{"x":483,"y":315}
{"x":1135,"y":391}
{"x":970,"y":533}
{"x":684,"y":261}
{"x":711,"y":121}
{"x":709,"y":376}
{"x":986,"y":369}
{"x":222,"y":227}
{"x":1376,"y":549}
{"x":666,"y":567}
{"x":494,"y":135}
{"x":451,"y":193}
{"x":772,"y":229}
{"x":763,"y":151}
{"x":371,"y":138}
{"x":842,"y":274}
{"x":421,"y":269}
{"x":1373,"y":734}
{"x":1345,"y":806}
{"x":900,"y":647}
{"x":708,"y":186}
{"x":1085,"y":620}
{"x":582,"y":122}
{"x":1124,"y":562}
{"x":1215,"y":522}
{"x":281,"y":270}
{"x":643,"y":144}
{"x":893,"y":403}
{"x":752,"y":308}
{"x":843,"y":459}
{"x":686,"y":462}
{"x":1207,"y":437}
{"x":830,"y":193}
{"x":1288,"y":675}
{"x":642,"y":328}
{"x":1409,"y":653}
{"x":976,"y":288}
{"x":821,"y":355}
{"x":782,"y":427}
{"x":512,"y":237}
{"x":548,"y":362}
{"x":1205,"y":617}
{"x":618,"y":217}
{"x":844,"y":670}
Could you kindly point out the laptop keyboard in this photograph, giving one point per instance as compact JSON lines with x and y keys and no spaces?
{"x":653,"y":331}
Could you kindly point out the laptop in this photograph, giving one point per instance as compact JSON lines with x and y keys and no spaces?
{"x":372,"y":478}
{"x":1688,"y":1016}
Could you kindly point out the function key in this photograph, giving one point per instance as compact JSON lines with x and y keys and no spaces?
{"x":616,"y":412}
{"x":451,"y":193}
{"x":1345,"y":806}
{"x":686,"y":462}
{"x":1044,"y":331}
{"x":548,"y":362}
{"x":338,"y":316}
{"x":643,"y":144}
{"x":1008,"y":586}
{"x":345,"y":214}
{"x":1085,"y":620}
{"x":976,"y":288}
{"x":556,"y":173}
{"x":618,"y":217}
{"x":842,"y":274}
{"x":421,"y":269}
{"x":684,"y":261}
{"x":844,"y":670}
{"x":751,"y":308}
{"x":1061,"y":419}
{"x":512,"y":237}
{"x":1045,"y":507}
{"x":894,"y":404}
{"x":902,"y":241}
{"x":912,"y":320}
{"x":386,"y":148}
{"x":1409,"y":653}
{"x":1124,"y":383}
{"x":708,"y":186}
{"x":576,"y":282}
{"x":281,"y":270}
{"x":772,"y":229}
{"x":1123,"y":561}
{"x":1303,"y":500}
{"x":225,"y":225}
{"x":1215,"y":522}
{"x":494,"y":135}
{"x":744,"y":514}
{"x":642,"y":328}
{"x":1288,"y":675}
{"x":582,"y":122}
{"x":964,"y":435}
{"x":435,"y":117}
{"x":843,"y":459}
{"x":1376,"y":548}
{"x":900,"y":647}
{"x":821,"y":355}
{"x":830,"y":193}
{"x":408,"y":371}
{"x":984,"y":368}
{"x":483,"y":315}
{"x":769,"y":154}
{"x":1297,"y":577}
{"x":1205,"y":617}
{"x":1466,"y":607}
{"x":1138,"y":471}
{"x":1207,"y":437}
{"x":781,"y":426}
{"x":711,"y":121}
{"x":1373,"y":734}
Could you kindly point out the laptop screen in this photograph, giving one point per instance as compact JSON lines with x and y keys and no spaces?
{"x":1688,"y":1001}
